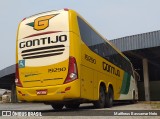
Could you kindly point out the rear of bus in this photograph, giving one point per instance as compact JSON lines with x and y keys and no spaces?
{"x":46,"y":68}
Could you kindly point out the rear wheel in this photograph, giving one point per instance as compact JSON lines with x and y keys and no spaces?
{"x":101,"y":102}
{"x":73,"y":106}
{"x":134,"y":98}
{"x":57,"y":106}
{"x":109,"y":98}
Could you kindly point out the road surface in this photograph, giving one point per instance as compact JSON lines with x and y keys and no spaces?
{"x":118,"y":111}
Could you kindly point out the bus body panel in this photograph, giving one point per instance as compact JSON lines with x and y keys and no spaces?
{"x":54,"y":93}
{"x":43,"y":54}
{"x":44,"y":76}
{"x":43,"y":58}
{"x":132,"y":88}
{"x":106,"y":72}
{"x":95,"y":72}
{"x":45,"y":43}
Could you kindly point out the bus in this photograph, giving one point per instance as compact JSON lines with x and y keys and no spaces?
{"x":62,"y":61}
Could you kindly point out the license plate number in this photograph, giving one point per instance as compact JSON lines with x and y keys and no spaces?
{"x":41,"y":92}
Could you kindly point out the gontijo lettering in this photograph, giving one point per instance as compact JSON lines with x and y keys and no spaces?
{"x":110,"y":69}
{"x":42,"y":41}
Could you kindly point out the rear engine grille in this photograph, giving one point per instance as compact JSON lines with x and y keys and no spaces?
{"x":43,"y":52}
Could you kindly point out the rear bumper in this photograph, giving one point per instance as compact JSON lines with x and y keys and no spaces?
{"x":54,"y":93}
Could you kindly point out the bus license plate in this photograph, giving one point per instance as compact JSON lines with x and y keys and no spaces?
{"x":41,"y":92}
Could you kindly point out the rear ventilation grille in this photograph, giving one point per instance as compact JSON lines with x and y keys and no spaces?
{"x":43,"y":52}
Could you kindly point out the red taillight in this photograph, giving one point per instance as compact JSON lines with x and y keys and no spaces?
{"x":72,"y":70}
{"x":17,"y":80}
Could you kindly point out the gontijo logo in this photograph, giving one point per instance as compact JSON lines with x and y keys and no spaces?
{"x":41,"y":23}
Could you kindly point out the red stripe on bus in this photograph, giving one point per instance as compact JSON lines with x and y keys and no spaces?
{"x":38,"y":34}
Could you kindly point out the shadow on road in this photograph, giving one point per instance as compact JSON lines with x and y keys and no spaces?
{"x":85,"y":110}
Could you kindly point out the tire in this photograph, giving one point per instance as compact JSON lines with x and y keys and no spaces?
{"x":57,"y":107}
{"x":73,"y":106}
{"x":101,"y":102}
{"x":133,"y":101}
{"x":109,"y":98}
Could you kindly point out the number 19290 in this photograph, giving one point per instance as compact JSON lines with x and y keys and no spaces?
{"x":56,"y":69}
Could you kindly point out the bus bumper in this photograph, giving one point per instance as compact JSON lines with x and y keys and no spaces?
{"x":63,"y":92}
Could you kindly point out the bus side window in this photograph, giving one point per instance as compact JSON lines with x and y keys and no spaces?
{"x":96,"y":50}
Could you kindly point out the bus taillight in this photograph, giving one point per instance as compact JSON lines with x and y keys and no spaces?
{"x":17,"y":80}
{"x":72,"y":70}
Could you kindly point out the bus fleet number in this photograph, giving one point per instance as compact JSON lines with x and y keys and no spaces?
{"x":90,"y":59}
{"x":56,"y":69}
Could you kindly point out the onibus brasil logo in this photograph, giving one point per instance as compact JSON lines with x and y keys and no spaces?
{"x":42,"y":22}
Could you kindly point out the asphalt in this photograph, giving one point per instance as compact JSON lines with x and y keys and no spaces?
{"x":118,"y":111}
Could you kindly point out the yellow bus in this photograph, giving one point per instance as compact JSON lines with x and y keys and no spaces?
{"x":62,"y":61}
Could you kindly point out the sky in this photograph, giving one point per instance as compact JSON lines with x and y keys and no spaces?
{"x":111,"y":18}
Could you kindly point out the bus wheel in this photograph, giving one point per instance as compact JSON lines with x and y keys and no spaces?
{"x":134,"y":98}
{"x":101,"y":102}
{"x":57,"y":107}
{"x":73,"y":106}
{"x":109,"y":98}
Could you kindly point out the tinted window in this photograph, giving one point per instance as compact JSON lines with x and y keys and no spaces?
{"x":85,"y":32}
{"x":96,"y":43}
